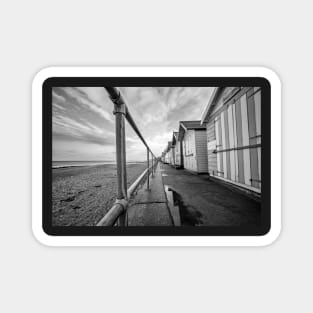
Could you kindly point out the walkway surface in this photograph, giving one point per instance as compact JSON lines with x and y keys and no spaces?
{"x":149,"y":207}
{"x":202,"y":201}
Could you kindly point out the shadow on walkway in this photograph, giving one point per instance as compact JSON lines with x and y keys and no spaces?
{"x":203,"y":202}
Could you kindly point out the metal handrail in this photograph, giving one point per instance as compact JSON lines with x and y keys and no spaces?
{"x":121,"y":112}
{"x":118,"y":208}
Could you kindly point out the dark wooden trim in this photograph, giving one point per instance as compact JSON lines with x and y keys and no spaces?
{"x":257,"y":180}
{"x":231,"y":95}
{"x":254,"y":92}
{"x":239,"y":148}
{"x":256,"y":136}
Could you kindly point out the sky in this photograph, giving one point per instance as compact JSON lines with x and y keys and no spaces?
{"x":83,"y":125}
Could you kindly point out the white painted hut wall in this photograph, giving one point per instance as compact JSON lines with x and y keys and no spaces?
{"x":212,"y":142}
{"x":237,"y":124}
{"x":167,"y":158}
{"x":201,"y":151}
{"x":172,"y":155}
{"x":177,"y":153}
{"x":189,"y":147}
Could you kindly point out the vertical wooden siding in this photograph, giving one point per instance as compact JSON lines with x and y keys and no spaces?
{"x":212,"y":145}
{"x":236,"y":128}
{"x":257,"y":101}
{"x":201,"y":151}
{"x":189,"y":147}
{"x":177,"y":154}
{"x":219,"y":146}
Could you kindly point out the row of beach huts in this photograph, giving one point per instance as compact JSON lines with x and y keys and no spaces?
{"x":226,"y":142}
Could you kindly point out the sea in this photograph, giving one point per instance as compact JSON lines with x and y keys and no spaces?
{"x":64,"y":164}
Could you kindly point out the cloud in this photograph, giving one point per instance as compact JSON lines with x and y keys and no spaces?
{"x":57,"y":97}
{"x":57,"y":106}
{"x":82,"y":117}
{"x":81,"y":98}
{"x":65,"y":128}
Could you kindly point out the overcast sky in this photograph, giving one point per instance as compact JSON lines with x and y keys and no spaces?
{"x":83,"y":123}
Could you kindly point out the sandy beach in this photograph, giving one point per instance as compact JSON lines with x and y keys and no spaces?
{"x":82,"y":195}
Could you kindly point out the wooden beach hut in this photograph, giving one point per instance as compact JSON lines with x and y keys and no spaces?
{"x":168,"y":153}
{"x":177,"y":150}
{"x":194,"y":146}
{"x":163,"y":157}
{"x":171,"y":153}
{"x":233,"y":121}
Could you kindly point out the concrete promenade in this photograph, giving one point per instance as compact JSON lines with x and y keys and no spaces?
{"x":149,"y":207}
{"x":202,"y":201}
{"x":181,"y":198}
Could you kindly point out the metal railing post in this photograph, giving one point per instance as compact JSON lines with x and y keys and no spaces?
{"x":118,"y":211}
{"x":148,"y":187}
{"x":120,"y":112}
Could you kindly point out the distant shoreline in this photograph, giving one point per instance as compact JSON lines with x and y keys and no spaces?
{"x":70,"y":164}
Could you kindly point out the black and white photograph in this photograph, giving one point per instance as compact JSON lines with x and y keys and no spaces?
{"x":156,"y":156}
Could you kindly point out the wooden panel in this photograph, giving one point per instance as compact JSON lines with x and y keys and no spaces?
{"x":220,"y":155}
{"x":245,"y":139}
{"x":219,"y":146}
{"x":227,"y":144}
{"x":259,"y":165}
{"x":224,"y":144}
{"x":177,"y":154}
{"x":239,"y":142}
{"x":257,"y":100}
{"x":253,"y":140}
{"x":212,"y":145}
{"x":251,"y":121}
{"x":190,"y":147}
{"x":231,"y":142}
{"x":235,"y":142}
{"x":211,"y":131}
{"x":201,"y":151}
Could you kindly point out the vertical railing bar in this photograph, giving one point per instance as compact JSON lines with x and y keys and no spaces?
{"x":119,"y":167}
{"x":120,"y":112}
{"x":124,"y":159}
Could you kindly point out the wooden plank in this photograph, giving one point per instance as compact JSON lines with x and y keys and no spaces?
{"x":224,"y":144}
{"x":227,"y":144}
{"x":201,"y":151}
{"x":259,"y":165}
{"x":231,"y":142}
{"x":253,"y":140}
{"x":239,"y":142}
{"x":217,"y":144}
{"x":220,"y":155}
{"x":235,"y":142}
{"x":257,"y":100}
{"x":245,"y":139}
